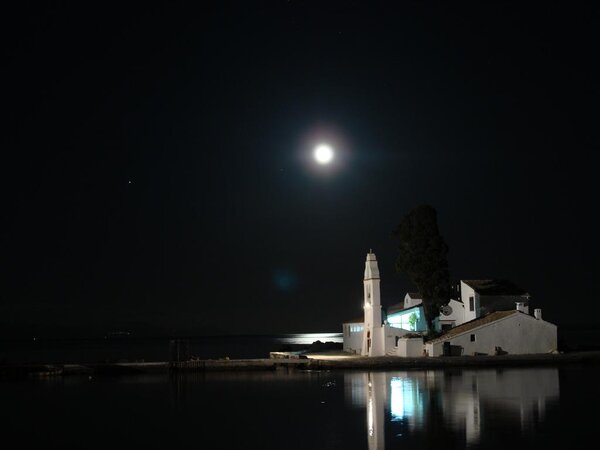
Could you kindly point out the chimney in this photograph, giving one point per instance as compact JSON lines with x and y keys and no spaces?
{"x":537,"y":313}
{"x":523,"y":307}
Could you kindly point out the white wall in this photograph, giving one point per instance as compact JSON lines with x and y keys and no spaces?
{"x":410,"y":302}
{"x":352,"y":340}
{"x":373,"y":337}
{"x":517,"y":334}
{"x":410,"y":347}
{"x":457,"y":316}
{"x":390,"y":337}
{"x":465,"y":292}
{"x":458,"y":312}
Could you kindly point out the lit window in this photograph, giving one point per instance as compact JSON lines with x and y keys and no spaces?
{"x":408,"y":320}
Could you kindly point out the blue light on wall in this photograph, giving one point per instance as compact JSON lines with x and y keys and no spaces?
{"x":407,"y":320}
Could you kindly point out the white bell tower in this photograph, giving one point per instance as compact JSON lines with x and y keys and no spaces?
{"x":373,"y":332}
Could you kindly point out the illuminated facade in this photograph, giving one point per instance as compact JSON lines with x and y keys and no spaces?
{"x":488,"y":317}
{"x":411,"y":319}
{"x":378,"y":333}
{"x":373,"y":333}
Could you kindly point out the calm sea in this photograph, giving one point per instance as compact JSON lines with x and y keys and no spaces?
{"x":528,"y":408}
{"x":130,"y":348}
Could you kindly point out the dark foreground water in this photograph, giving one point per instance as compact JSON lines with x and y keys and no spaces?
{"x":550,"y":408}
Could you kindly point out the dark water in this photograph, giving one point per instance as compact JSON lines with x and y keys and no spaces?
{"x":148,"y":349}
{"x":133,"y":348}
{"x":498,"y":409}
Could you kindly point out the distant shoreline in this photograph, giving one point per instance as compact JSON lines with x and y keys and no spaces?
{"x":132,"y":337}
{"x":311,"y":362}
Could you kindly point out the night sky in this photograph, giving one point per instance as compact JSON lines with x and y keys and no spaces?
{"x":157,"y":173}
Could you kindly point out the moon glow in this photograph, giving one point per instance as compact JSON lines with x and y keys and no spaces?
{"x":323,"y":154}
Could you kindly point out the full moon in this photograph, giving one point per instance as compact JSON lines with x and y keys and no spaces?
{"x":323,"y":154}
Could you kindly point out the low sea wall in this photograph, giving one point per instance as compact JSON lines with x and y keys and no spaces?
{"x":311,"y":362}
{"x":424,"y":362}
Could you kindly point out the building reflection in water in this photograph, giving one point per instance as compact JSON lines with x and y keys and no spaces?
{"x":400,"y":400}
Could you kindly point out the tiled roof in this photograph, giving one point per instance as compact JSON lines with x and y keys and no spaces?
{"x":357,"y":320}
{"x":415,"y":295}
{"x":397,"y":308}
{"x":495,"y":287}
{"x":467,"y":326}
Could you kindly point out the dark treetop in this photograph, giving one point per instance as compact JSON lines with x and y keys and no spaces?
{"x":422,"y":256}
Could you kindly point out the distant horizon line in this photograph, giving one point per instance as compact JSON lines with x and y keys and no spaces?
{"x":124,"y":335}
{"x":180,"y":336}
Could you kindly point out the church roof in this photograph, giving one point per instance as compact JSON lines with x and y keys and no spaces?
{"x":357,"y":320}
{"x":472,"y":324}
{"x":400,"y":307}
{"x":495,"y":287}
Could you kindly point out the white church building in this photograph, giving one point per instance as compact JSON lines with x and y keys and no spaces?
{"x":487,"y":317}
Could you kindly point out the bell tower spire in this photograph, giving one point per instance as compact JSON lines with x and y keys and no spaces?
{"x":373,"y":329}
